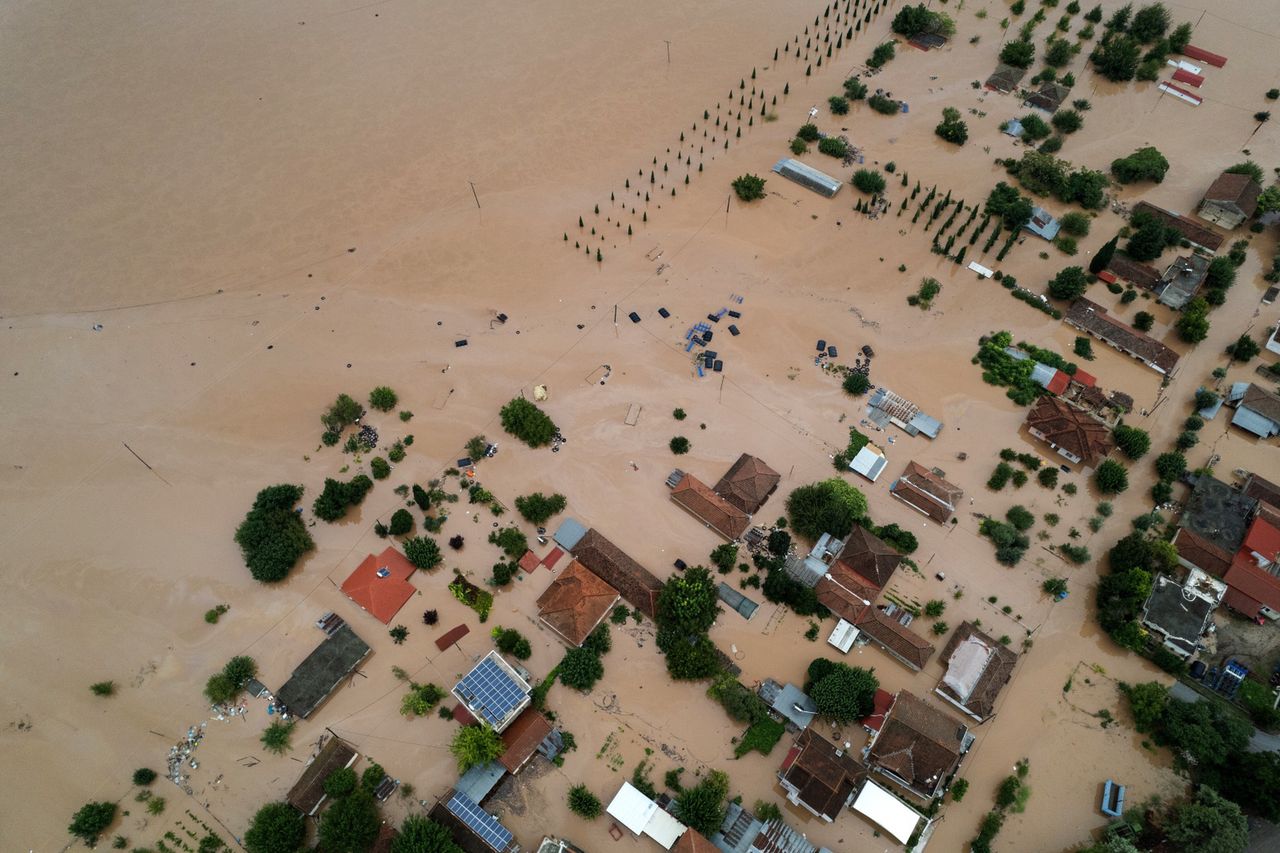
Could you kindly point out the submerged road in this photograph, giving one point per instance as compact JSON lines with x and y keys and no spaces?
{"x":1260,"y":742}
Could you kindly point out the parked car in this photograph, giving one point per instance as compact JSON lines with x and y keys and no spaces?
{"x":1198,"y":670}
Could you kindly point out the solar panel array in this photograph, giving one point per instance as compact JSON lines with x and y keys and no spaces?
{"x":483,"y":824}
{"x":491,"y":691}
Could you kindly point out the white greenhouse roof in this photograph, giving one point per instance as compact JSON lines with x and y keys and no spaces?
{"x":886,"y":811}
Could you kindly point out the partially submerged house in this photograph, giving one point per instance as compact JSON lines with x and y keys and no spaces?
{"x":885,"y":407}
{"x":524,"y":738}
{"x":807,"y":176}
{"x":1179,"y":613}
{"x":869,"y":462}
{"x":978,"y":668}
{"x":380,"y":584}
{"x":493,"y":692}
{"x":636,"y":584}
{"x":575,"y":603}
{"x":1042,"y":224}
{"x":697,"y":498}
{"x":1258,"y":412}
{"x":819,"y":777}
{"x":889,"y":812}
{"x":886,"y":626}
{"x":1181,"y":280}
{"x":1074,"y":434}
{"x":632,"y":809}
{"x":1049,"y":97}
{"x":322,"y":671}
{"x":813,"y":567}
{"x":869,"y":557}
{"x":919,"y":747}
{"x":1193,"y":232}
{"x":748,"y":483}
{"x":1124,"y":268}
{"x":927,"y":492}
{"x":1230,"y":201}
{"x":1092,"y":319}
{"x":472,"y":828}
{"x":880,"y":706}
{"x":743,"y":832}
{"x":788,"y":703}
{"x":307,"y":794}
{"x":1213,"y":526}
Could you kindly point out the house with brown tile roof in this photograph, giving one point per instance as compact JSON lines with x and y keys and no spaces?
{"x":692,"y":841}
{"x":1093,"y":319}
{"x":869,"y":557}
{"x":1230,"y":200}
{"x":897,"y":639}
{"x":819,"y":777}
{"x":1193,"y":232}
{"x":1252,"y":591}
{"x":1195,"y":551}
{"x":845,"y":593}
{"x":307,"y":794}
{"x":696,"y":498}
{"x":978,"y":668}
{"x":636,"y":584}
{"x":919,"y":747}
{"x":522,"y":739}
{"x":575,"y":603}
{"x":1262,"y":489}
{"x":748,"y":483}
{"x":1140,"y":275}
{"x":1213,"y":526}
{"x":926,"y":492}
{"x":1258,"y":411}
{"x":1072,"y":432}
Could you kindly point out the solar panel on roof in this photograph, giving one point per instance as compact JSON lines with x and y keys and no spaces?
{"x":492,"y":692}
{"x":483,"y":824}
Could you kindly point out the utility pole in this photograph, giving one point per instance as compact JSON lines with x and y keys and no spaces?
{"x":726,"y":211}
{"x":473,"y":194}
{"x":668,"y":43}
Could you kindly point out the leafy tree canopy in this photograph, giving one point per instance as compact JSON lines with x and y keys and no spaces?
{"x":477,"y":744}
{"x":276,"y":828}
{"x":351,"y":824}
{"x":830,"y":506}
{"x":419,"y":834}
{"x":689,"y":603}
{"x":845,"y":693}
{"x":703,"y":806}
{"x":580,"y":669}
{"x":272,"y":536}
{"x":527,"y":422}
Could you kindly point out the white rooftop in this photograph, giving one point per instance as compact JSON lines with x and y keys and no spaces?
{"x":869,"y":462}
{"x":886,"y":811}
{"x":843,"y":636}
{"x":641,"y":815}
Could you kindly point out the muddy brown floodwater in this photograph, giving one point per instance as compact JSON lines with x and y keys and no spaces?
{"x":217,"y":217}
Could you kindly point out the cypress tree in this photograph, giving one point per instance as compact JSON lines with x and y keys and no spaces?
{"x":686,"y":180}
{"x":739,"y":133}
{"x":566,"y":236}
{"x":580,"y":223}
{"x":597,"y":210}
{"x":628,"y":230}
{"x":1100,"y":260}
{"x":786,"y":88}
{"x":645,"y":218}
{"x":808,"y":71}
{"x":775,"y":54}
{"x":599,"y":256}
{"x":753,"y":73}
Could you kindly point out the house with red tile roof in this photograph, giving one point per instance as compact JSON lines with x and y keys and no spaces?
{"x":696,"y":498}
{"x":819,"y":777}
{"x":926,"y":492}
{"x":1230,"y":200}
{"x":615,"y":567}
{"x":879,"y":709}
{"x":380,"y":584}
{"x":522,"y":739}
{"x":1253,"y":580}
{"x":1093,"y":319}
{"x":919,"y":747}
{"x":748,"y":483}
{"x":1074,"y":434}
{"x":575,"y":603}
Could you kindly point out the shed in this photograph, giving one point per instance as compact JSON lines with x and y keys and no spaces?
{"x":745,"y":607}
{"x":843,"y":636}
{"x":1042,"y":224}
{"x":886,"y":811}
{"x":1013,"y":127}
{"x":807,"y":176}
{"x":569,"y":533}
{"x":869,"y":462}
{"x":307,"y":794}
{"x":322,"y":671}
{"x":480,"y":780}
{"x":789,"y":702}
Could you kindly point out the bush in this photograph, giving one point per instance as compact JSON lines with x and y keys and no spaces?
{"x":1048,"y":477}
{"x":832,"y":147}
{"x":1133,"y":442}
{"x":679,"y":445}
{"x":1145,"y":164}
{"x":512,"y":642}
{"x":1111,"y":477}
{"x":423,"y":552}
{"x":952,"y":128}
{"x":401,"y":522}
{"x":809,"y":133}
{"x":537,"y":507}
{"x":512,"y":542}
{"x":144,"y":776}
{"x":420,"y":699}
{"x":344,"y":412}
{"x":883,"y":105}
{"x":92,"y":818}
{"x":748,"y":187}
{"x":1067,"y":121}
{"x":1075,"y":553}
{"x":856,"y":384}
{"x":1069,"y":284}
{"x":1020,"y":517}
{"x":337,"y":497}
{"x":1019,"y":54}
{"x":1034,"y":127}
{"x":839,"y":105}
{"x":527,"y":422}
{"x":855,"y":89}
{"x":869,"y":181}
{"x":1142,"y":321}
{"x":583,"y":803}
{"x":383,"y":398}
{"x":278,"y":737}
{"x":1075,"y":223}
{"x":882,"y":54}
{"x":380,"y":468}
{"x":272,"y":536}
{"x":580,"y":669}
{"x":934,"y":609}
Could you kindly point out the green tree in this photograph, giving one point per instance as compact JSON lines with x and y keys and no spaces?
{"x":419,"y":834}
{"x":1248,"y":167}
{"x":703,"y":806}
{"x":1170,"y":466}
{"x":1058,"y":52}
{"x":272,"y":536}
{"x":344,"y":412}
{"x":1150,"y":23}
{"x":1100,"y":260}
{"x":1143,"y":321}
{"x":1111,"y":477}
{"x":1067,"y":121}
{"x":275,"y":828}
{"x":527,"y":422}
{"x":1193,"y":323}
{"x":751,"y":187}
{"x":833,"y":147}
{"x":856,"y":384}
{"x":144,"y":776}
{"x":1019,"y":54}
{"x":341,"y":782}
{"x":1145,"y":164}
{"x":337,"y":497}
{"x":830,"y":506}
{"x":91,"y":820}
{"x":725,"y":556}
{"x":1244,"y":348}
{"x":383,"y":398}
{"x":1068,"y":284}
{"x":401,"y":522}
{"x":845,"y":694}
{"x":1180,"y":37}
{"x":580,"y":669}
{"x":688,"y":603}
{"x":537,"y":507}
{"x":219,"y":689}
{"x":1075,"y":223}
{"x":473,"y":745}
{"x":1020,"y":517}
{"x":869,"y":181}
{"x":688,"y":658}
{"x":809,"y":133}
{"x":679,"y":445}
{"x":423,"y":552}
{"x":1034,"y":127}
{"x":839,"y":105}
{"x":1146,"y":702}
{"x":350,"y":825}
{"x":1269,"y":200}
{"x":278,"y":737}
{"x":1117,"y":57}
{"x":1133,"y":442}
{"x":1209,"y":823}
{"x":952,"y":128}
{"x":583,"y":803}
{"x":599,"y":641}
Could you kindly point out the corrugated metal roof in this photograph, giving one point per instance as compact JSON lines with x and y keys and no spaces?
{"x":927,"y":425}
{"x":1249,"y":420}
{"x":807,"y":176}
{"x":1042,"y":374}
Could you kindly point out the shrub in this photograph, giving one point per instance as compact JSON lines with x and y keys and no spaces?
{"x":580,"y":669}
{"x":679,"y":445}
{"x":855,"y":89}
{"x":272,"y":536}
{"x":1243,"y":349}
{"x":856,"y":384}
{"x":383,"y":398}
{"x":511,"y":540}
{"x":1142,"y":321}
{"x":475,"y":745}
{"x":277,"y":737}
{"x":883,"y":105}
{"x":952,"y":128}
{"x":1069,"y":284}
{"x":832,"y":147}
{"x":1075,"y":223}
{"x":809,"y":133}
{"x":1048,"y":477}
{"x":103,"y":688}
{"x":527,"y":422}
{"x":1083,"y":348}
{"x":341,"y":414}
{"x":839,"y":105}
{"x":1067,"y":121}
{"x":934,"y":608}
{"x":882,"y":54}
{"x":869,"y":181}
{"x":423,"y":552}
{"x":1034,"y":127}
{"x":420,"y":699}
{"x":748,"y":187}
{"x":1020,"y":517}
{"x":144,"y":776}
{"x":1075,"y":553}
{"x":619,"y":615}
{"x":1133,"y":442}
{"x":512,"y":642}
{"x":337,"y":497}
{"x":380,"y":468}
{"x":583,"y":803}
{"x":537,"y":507}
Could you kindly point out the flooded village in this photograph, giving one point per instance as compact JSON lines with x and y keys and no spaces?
{"x":832,"y":427}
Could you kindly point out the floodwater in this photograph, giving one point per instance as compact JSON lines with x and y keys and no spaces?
{"x":262,"y":207}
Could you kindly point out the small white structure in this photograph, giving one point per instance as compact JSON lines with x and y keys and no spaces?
{"x":980,"y":269}
{"x":886,"y":811}
{"x":642,"y":816}
{"x":869,"y":462}
{"x":843,"y":636}
{"x":1273,"y":342}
